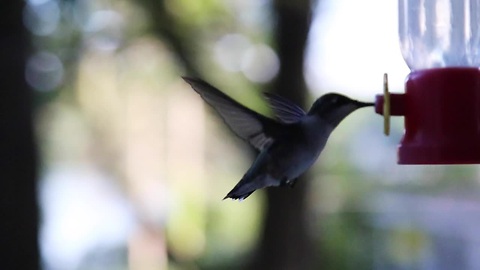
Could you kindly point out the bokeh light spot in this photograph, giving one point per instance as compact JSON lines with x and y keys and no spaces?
{"x":44,"y":71}
{"x":42,"y":17}
{"x":230,"y":50}
{"x":260,"y":63}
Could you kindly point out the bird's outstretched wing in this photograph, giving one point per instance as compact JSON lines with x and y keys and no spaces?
{"x":253,"y":127}
{"x":285,"y":110}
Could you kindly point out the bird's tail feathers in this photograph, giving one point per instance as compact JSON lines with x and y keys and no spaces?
{"x":247,"y":186}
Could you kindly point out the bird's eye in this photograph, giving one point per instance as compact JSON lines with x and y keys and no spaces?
{"x":334,"y":100}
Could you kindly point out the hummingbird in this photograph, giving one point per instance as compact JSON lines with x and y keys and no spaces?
{"x":289,"y":144}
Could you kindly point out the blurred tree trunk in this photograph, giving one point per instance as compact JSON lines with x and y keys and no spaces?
{"x":18,"y":198}
{"x":285,"y":242}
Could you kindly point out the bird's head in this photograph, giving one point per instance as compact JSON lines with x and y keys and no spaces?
{"x":333,"y":107}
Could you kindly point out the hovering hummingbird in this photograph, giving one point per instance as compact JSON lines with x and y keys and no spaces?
{"x":288,"y":145}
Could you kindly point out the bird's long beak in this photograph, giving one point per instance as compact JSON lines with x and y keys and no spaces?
{"x":364,"y":104}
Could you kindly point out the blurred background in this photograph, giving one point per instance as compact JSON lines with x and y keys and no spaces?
{"x":132,"y":165}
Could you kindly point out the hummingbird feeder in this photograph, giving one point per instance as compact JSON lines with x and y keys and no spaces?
{"x":440,"y":42}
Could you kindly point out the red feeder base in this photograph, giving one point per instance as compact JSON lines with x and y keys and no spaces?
{"x":442,"y":116}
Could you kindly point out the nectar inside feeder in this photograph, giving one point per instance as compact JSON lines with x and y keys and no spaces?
{"x":441,"y":105}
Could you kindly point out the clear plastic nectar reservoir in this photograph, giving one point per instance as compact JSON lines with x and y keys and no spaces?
{"x":439,"y":33}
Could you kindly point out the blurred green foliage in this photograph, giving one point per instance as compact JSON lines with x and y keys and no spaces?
{"x":123,"y":109}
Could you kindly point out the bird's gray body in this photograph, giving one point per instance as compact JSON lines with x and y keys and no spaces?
{"x":282,"y":162}
{"x":288,"y":146}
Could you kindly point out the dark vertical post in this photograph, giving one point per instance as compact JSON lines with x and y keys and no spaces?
{"x":18,"y":198}
{"x":285,"y":241}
